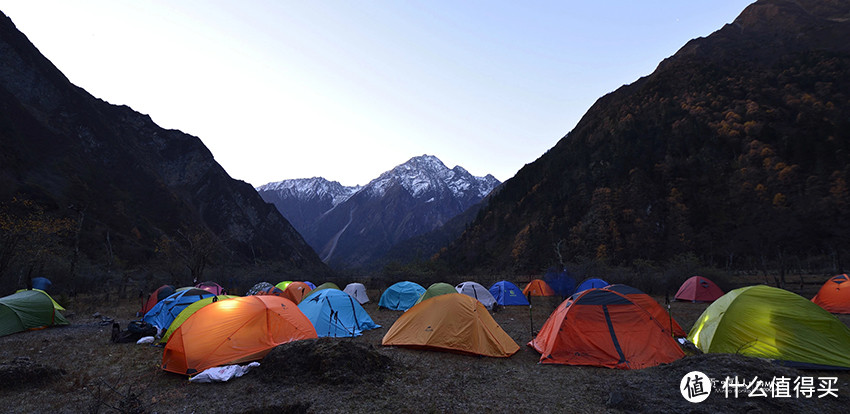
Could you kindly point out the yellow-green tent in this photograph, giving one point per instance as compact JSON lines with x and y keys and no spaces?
{"x":283,"y":285}
{"x":56,"y":305}
{"x":28,"y":309}
{"x":187,"y":312}
{"x":436,"y":289}
{"x":767,"y":322}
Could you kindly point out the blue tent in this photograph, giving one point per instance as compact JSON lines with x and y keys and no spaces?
{"x":401,"y":296}
{"x":591,"y":283}
{"x":166,"y":310}
{"x":508,"y":294}
{"x":560,"y":282}
{"x":41,"y":283}
{"x":335,"y":313}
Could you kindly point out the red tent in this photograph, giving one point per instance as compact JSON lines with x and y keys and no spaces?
{"x":834,"y":295}
{"x":159,"y":294}
{"x":698,"y":289}
{"x":603,"y":328}
{"x":652,"y":306}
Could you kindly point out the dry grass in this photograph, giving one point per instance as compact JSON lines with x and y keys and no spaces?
{"x":103,"y":377}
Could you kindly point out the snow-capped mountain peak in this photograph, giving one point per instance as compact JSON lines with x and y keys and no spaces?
{"x":426,"y":174}
{"x":311,"y":188}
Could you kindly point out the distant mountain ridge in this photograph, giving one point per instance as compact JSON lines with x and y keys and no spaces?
{"x":303,"y":200}
{"x":354,"y":226}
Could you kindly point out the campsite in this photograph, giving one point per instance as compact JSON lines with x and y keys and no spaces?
{"x":76,"y":368}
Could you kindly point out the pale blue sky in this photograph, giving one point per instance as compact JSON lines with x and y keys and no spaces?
{"x":349,"y":89}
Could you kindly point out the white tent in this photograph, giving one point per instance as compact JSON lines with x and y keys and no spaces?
{"x":357,"y":291}
{"x":478,"y":292}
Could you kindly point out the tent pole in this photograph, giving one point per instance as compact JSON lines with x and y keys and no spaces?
{"x":530,"y":316}
{"x":669,"y":311}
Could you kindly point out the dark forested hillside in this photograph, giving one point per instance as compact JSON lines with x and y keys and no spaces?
{"x":87,"y":184}
{"x":736,"y":149}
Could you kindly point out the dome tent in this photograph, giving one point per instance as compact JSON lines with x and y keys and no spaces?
{"x":834,"y":295}
{"x":538,"y":287}
{"x":28,"y":309}
{"x":189,"y":311}
{"x":211,"y":287}
{"x":357,"y":291}
{"x":652,"y":306}
{"x":452,"y":322}
{"x":475,"y":290}
{"x":560,"y":281}
{"x":233,"y":331}
{"x":164,"y":312}
{"x":155,"y":297}
{"x":590,"y":284}
{"x":698,"y":289}
{"x":508,"y":294}
{"x":297,"y":291}
{"x":768,"y":322}
{"x":335,"y":313}
{"x":436,"y":289}
{"x":603,"y":328}
{"x":401,"y":296}
{"x":264,"y":288}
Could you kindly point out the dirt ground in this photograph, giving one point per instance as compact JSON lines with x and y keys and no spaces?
{"x":76,"y":368}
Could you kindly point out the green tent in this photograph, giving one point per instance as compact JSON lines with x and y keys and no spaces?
{"x":323,"y":286}
{"x":767,"y":322}
{"x":28,"y":309}
{"x":436,"y":289}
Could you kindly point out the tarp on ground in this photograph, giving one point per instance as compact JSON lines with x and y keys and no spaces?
{"x":767,"y":322}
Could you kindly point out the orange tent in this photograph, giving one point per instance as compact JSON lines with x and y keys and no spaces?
{"x":603,"y":328}
{"x":834,"y":295}
{"x":452,"y":322}
{"x":650,"y":305}
{"x":233,"y":331}
{"x":538,"y":287}
{"x":296,"y":291}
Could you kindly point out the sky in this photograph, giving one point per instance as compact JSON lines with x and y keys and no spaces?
{"x":348,"y":89}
